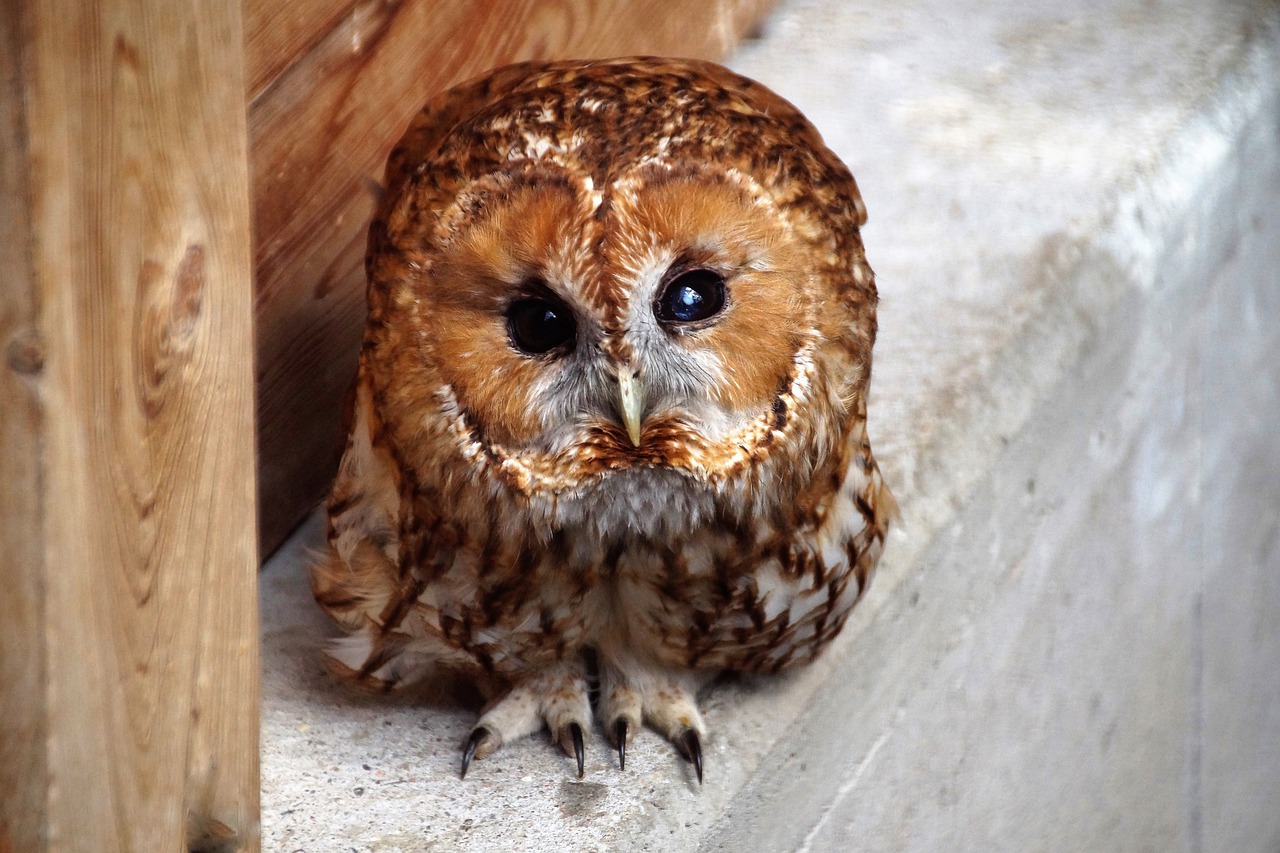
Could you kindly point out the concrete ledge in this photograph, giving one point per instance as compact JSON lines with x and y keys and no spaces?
{"x":1073,"y":640}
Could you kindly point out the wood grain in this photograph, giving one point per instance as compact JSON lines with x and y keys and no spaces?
{"x":22,"y":649}
{"x":320,"y":132}
{"x":137,"y":233}
{"x":277,"y":34}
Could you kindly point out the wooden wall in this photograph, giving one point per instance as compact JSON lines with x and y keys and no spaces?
{"x":331,"y":84}
{"x":128,"y":628}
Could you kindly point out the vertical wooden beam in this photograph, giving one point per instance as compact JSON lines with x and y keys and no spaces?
{"x":126,"y":313}
{"x":22,"y":652}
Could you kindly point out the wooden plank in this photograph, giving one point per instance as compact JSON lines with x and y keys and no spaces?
{"x":277,"y":34}
{"x":319,"y":136}
{"x":138,"y":236}
{"x":22,"y":652}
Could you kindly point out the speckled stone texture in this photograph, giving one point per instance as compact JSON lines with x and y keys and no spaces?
{"x":1074,"y":639}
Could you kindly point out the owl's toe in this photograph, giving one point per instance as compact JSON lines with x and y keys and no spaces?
{"x":622,"y":708}
{"x":665,"y":699}
{"x":557,"y":697}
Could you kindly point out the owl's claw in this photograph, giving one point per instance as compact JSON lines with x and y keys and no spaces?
{"x":575,"y":731}
{"x":621,"y":731}
{"x":692,"y":749}
{"x":478,"y":734}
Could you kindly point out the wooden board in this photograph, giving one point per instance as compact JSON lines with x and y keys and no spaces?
{"x":320,"y":130}
{"x":126,"y":312}
{"x":22,"y":647}
{"x":278,"y":34}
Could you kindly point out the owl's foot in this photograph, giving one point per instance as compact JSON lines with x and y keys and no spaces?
{"x":630,"y":694}
{"x":558,"y":696}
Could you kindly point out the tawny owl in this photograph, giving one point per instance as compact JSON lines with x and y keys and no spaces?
{"x":610,"y":415}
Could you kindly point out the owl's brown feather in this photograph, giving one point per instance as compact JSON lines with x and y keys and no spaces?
{"x":492,"y":514}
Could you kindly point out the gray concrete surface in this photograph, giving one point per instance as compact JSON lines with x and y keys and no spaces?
{"x":1074,"y":640}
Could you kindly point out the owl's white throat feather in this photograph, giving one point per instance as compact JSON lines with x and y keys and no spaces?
{"x":647,"y":503}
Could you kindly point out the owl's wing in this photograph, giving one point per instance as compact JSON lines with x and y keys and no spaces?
{"x":359,"y":576}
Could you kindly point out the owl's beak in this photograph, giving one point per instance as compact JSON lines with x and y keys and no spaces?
{"x":631,"y":404}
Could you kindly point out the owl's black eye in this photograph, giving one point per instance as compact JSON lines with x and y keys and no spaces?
{"x":539,"y":325}
{"x":691,"y":296}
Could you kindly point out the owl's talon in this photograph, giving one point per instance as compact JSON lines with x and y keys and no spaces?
{"x":692,"y":749}
{"x":478,"y":734}
{"x":621,"y":732}
{"x":575,"y":731}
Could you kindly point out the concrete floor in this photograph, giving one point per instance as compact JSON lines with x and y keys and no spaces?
{"x":1073,"y":639}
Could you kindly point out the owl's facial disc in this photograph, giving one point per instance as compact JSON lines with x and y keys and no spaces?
{"x":649,"y":332}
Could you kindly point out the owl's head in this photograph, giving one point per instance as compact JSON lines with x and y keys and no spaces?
{"x":591,"y":267}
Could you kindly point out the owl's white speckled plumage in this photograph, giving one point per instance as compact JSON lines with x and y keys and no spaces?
{"x":611,"y":407}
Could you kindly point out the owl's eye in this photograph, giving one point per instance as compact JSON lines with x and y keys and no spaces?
{"x":691,"y":296}
{"x":539,"y":325}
